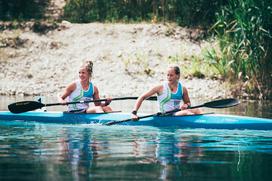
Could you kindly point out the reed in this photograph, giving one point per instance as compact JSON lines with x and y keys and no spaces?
{"x":243,"y":29}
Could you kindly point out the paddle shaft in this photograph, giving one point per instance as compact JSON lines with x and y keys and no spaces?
{"x":223,"y":103}
{"x":141,"y":117}
{"x":99,"y":100}
{"x":24,"y":106}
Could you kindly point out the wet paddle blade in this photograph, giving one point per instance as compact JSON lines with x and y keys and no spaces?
{"x":24,"y":106}
{"x":222,"y":103}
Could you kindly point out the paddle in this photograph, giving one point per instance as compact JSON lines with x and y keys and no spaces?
{"x":24,"y":106}
{"x":222,"y":103}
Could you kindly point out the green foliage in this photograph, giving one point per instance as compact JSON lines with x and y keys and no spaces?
{"x":137,"y":63}
{"x":196,"y":67}
{"x":219,"y":62}
{"x":244,"y":30}
{"x":22,"y":9}
{"x":190,"y":13}
{"x":197,"y":12}
{"x":192,"y":65}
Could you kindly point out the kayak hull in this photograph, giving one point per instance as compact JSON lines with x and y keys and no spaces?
{"x":208,"y":121}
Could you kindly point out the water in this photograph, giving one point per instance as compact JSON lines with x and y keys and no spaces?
{"x":36,"y":151}
{"x":32,"y":151}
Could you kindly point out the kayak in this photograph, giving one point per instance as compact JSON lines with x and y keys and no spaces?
{"x":208,"y":121}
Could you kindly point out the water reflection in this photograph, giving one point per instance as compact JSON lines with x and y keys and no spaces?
{"x":70,"y":152}
{"x":88,"y":152}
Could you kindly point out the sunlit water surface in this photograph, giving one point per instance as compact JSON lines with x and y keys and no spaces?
{"x":36,"y":151}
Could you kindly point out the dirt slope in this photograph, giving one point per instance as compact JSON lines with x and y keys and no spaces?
{"x":128,"y":59}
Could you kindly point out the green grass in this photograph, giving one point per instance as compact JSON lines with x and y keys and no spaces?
{"x":137,"y":63}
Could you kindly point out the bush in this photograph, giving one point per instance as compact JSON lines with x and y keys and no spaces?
{"x":22,"y":9}
{"x":189,"y":13}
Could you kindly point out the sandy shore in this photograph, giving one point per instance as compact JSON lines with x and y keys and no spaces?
{"x":128,"y":59}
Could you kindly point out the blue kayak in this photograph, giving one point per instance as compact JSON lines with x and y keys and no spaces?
{"x":209,"y":121}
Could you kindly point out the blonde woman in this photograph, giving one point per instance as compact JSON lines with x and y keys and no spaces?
{"x":84,"y":90}
{"x":170,"y":95}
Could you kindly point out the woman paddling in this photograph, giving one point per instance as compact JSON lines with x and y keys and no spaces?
{"x":170,"y":94}
{"x":84,"y":90}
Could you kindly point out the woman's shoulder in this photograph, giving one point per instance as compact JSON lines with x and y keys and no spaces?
{"x":184,"y":89}
{"x":94,"y":87}
{"x":158,"y":88}
{"x":75,"y":82}
{"x":72,"y":85}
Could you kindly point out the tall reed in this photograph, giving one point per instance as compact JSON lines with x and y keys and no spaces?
{"x":244,"y":31}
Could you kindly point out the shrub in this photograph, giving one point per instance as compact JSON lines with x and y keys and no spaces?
{"x":22,"y":9}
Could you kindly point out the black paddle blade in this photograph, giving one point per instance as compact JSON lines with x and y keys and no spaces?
{"x":222,"y":103}
{"x":24,"y":106}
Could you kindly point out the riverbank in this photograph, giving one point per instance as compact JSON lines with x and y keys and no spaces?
{"x":128,"y":59}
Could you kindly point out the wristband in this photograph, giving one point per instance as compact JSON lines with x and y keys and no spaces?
{"x":134,"y":112}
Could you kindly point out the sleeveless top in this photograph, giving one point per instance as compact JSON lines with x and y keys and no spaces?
{"x":79,"y":94}
{"x":169,"y":101}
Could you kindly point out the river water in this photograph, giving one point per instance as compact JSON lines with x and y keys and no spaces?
{"x":38,"y":151}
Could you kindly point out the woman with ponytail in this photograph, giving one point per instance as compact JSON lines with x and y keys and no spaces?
{"x":84,"y":90}
{"x":171,"y":95}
